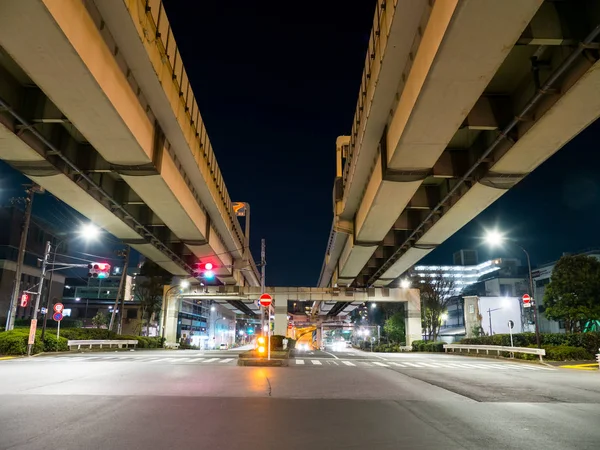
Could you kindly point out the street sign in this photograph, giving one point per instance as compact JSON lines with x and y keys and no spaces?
{"x":58,"y":308}
{"x":265,"y":300}
{"x":526,"y":301}
{"x":32,"y":329}
{"x":57,"y":316}
{"x":24,"y":300}
{"x":44,"y":310}
{"x":511,"y":324}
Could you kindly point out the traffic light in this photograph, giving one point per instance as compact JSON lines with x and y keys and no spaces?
{"x":206,"y":270}
{"x":261,"y":344}
{"x":24,"y":300}
{"x":98,"y":270}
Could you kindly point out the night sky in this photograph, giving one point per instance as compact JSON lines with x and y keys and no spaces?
{"x":277,"y":83}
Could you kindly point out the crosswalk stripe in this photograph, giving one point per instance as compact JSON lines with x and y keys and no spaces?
{"x":377,"y":363}
{"x":181,"y":359}
{"x":427,"y":365}
{"x":411,"y":364}
{"x":196,"y":359}
{"x":225,"y":360}
{"x":316,"y":362}
{"x":398,"y":364}
{"x":299,"y":362}
{"x":211,"y":360}
{"x":348,"y":363}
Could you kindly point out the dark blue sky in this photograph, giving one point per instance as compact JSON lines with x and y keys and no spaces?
{"x":276,"y":85}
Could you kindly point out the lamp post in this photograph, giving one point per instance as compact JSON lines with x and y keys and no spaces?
{"x":490,"y":311}
{"x":89,"y":232}
{"x":496,"y":238}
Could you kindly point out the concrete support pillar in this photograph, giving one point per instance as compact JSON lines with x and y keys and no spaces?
{"x":472,"y":315}
{"x":414,"y":331}
{"x":172,"y":316}
{"x":319,"y":336}
{"x":281,"y":321}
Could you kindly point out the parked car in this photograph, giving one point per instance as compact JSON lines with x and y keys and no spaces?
{"x":223,"y":347}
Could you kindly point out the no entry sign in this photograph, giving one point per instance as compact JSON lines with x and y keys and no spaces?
{"x":265,"y":300}
{"x":526,"y":301}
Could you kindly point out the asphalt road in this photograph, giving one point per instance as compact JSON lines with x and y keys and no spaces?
{"x":172,"y":399}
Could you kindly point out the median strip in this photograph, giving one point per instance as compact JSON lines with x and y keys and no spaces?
{"x":593,"y":366}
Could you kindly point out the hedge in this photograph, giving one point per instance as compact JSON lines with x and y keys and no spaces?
{"x":567,"y":353}
{"x":277,"y":342}
{"x":590,"y":342}
{"x":428,"y":346}
{"x":15,"y":342}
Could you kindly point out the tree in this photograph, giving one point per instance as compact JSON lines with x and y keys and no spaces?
{"x":573,"y":294}
{"x":99,"y":319}
{"x":436,"y":293}
{"x":394,"y":328}
{"x":149,"y":290}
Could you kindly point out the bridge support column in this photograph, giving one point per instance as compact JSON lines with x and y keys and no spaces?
{"x":414,"y":331}
{"x":281,"y":321}
{"x":171,"y":316}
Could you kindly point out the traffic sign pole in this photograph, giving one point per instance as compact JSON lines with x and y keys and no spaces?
{"x":57,"y":334}
{"x":39,"y":296}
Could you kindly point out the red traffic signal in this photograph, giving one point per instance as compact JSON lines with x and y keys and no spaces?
{"x":206,"y":270}
{"x":98,"y":270}
{"x":24,"y":300}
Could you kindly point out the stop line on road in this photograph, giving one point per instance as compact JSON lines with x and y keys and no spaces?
{"x":418,"y":365}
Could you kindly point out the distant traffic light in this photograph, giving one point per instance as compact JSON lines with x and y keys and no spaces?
{"x":206,"y":270}
{"x":98,"y":270}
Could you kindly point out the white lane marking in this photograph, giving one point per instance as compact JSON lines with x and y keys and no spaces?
{"x":412,"y":364}
{"x":331,"y":354}
{"x":226,"y":360}
{"x":161,"y":360}
{"x":427,"y":364}
{"x":398,"y":364}
{"x":211,"y":360}
{"x":332,"y":362}
{"x":181,"y":359}
{"x":299,"y":362}
{"x":380,"y":364}
{"x":348,"y":363}
{"x":504,"y":366}
{"x":196,"y":359}
{"x":529,"y":368}
{"x":316,"y":362}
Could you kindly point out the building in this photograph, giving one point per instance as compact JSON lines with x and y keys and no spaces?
{"x":497,"y":284}
{"x":541,"y":277}
{"x":10,"y":236}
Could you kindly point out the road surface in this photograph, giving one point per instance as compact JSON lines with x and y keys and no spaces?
{"x":334,"y":400}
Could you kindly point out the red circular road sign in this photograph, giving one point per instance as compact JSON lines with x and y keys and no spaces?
{"x":58,"y":307}
{"x":265,"y":300}
{"x":526,"y":298}
{"x":57,"y":316}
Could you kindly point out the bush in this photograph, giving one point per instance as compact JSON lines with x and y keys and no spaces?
{"x":417,"y":345}
{"x":567,"y":353}
{"x":588,"y":341}
{"x":15,"y":342}
{"x":291,"y":343}
{"x":434,"y":347}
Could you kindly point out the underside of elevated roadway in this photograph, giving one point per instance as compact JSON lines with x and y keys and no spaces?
{"x":459,"y":102}
{"x":104,"y":118}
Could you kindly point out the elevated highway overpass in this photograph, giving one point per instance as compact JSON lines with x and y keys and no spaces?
{"x":97,"y":108}
{"x":459,"y":101}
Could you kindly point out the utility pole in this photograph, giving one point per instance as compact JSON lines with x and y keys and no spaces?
{"x":121,"y":284}
{"x":38,"y":297}
{"x":49,"y":294}
{"x":263,"y":263}
{"x":122,"y":289}
{"x":12,"y":311}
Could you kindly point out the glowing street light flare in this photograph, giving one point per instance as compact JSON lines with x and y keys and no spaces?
{"x":494,"y":237}
{"x":90,"y":231}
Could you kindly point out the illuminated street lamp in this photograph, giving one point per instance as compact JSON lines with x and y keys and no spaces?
{"x":89,"y":231}
{"x":405,"y":284}
{"x":495,"y":238}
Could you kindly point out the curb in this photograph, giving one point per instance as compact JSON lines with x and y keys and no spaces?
{"x":259,"y":362}
{"x":593,"y":366}
{"x":6,"y":358}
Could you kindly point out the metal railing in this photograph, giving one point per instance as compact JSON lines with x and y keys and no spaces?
{"x":89,"y":343}
{"x":495,"y":348}
{"x":383,"y":9}
{"x":158,"y":30}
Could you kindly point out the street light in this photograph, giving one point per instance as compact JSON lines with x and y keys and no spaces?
{"x":494,"y":238}
{"x":89,"y":231}
{"x":405,"y":284}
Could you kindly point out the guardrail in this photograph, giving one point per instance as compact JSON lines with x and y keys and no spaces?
{"x":495,"y":348}
{"x":101,"y":342}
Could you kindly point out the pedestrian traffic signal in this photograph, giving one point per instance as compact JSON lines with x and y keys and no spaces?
{"x":98,"y":270}
{"x":24,"y":300}
{"x":206,"y":270}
